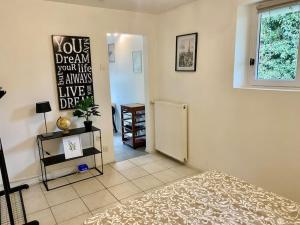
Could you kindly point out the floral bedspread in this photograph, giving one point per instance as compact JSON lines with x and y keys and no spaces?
{"x":211,"y":198}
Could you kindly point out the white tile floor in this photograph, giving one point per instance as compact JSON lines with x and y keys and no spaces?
{"x":121,"y":181}
{"x":124,"y":152}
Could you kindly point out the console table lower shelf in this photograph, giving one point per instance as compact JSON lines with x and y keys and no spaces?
{"x":47,"y":160}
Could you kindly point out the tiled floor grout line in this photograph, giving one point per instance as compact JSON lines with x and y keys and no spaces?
{"x":137,"y":177}
{"x":107,"y":188}
{"x":126,"y":179}
{"x":64,"y":202}
{"x":85,"y":205}
{"x":113,"y":194}
{"x":120,"y":201}
{"x":49,"y":207}
{"x":79,"y":197}
{"x":104,"y":207}
{"x":53,"y":216}
{"x":131,"y":181}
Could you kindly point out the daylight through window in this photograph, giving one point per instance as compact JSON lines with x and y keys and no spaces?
{"x":278,"y":44}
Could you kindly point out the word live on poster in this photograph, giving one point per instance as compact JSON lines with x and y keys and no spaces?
{"x":73,"y":67}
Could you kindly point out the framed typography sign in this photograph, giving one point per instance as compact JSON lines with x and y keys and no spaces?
{"x":72,"y":58}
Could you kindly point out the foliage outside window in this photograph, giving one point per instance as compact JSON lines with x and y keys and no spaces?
{"x":278,"y":44}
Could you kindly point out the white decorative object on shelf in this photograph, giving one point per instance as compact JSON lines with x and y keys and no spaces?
{"x":72,"y":146}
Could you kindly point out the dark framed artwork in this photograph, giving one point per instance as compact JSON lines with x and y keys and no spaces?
{"x":186,"y":52}
{"x":72,"y":58}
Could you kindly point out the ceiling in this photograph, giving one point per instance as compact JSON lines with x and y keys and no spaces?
{"x":148,"y":6}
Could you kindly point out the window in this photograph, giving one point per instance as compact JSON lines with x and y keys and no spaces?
{"x":277,"y":50}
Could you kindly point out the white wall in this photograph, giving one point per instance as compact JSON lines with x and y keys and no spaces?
{"x":251,"y":134}
{"x":126,"y":86}
{"x":27,"y":70}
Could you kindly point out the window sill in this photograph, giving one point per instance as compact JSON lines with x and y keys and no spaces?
{"x":268,"y":88}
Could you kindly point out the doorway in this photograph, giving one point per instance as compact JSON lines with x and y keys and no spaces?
{"x":127,"y":86}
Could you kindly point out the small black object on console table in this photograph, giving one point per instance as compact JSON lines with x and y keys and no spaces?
{"x":46,"y":161}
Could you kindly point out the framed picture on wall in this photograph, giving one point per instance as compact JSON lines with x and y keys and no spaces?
{"x":137,"y":61}
{"x":72,"y":146}
{"x":111,"y":53}
{"x":186,"y":52}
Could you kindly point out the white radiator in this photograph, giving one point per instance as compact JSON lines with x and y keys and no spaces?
{"x":171,"y":129}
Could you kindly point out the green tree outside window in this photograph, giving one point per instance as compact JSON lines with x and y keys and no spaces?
{"x":278,"y":44}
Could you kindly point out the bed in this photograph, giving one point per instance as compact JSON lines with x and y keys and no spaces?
{"x":211,"y":198}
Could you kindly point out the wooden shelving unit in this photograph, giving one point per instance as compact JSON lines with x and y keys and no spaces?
{"x":133,"y":125}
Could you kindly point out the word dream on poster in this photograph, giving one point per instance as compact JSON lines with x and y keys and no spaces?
{"x":73,"y":67}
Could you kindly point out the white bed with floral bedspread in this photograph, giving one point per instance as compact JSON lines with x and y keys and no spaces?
{"x":211,"y":198}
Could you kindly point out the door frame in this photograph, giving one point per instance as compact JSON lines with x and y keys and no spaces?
{"x":147,"y":91}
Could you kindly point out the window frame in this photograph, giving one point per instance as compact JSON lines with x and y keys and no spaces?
{"x":254,"y":53}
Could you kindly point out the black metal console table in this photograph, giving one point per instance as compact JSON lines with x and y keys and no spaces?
{"x":49,"y":160}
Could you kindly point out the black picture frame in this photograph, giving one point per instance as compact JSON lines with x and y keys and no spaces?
{"x":73,"y":67}
{"x":182,"y":63}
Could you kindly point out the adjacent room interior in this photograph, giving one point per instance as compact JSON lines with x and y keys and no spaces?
{"x":149,"y":112}
{"x":127,"y":89}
